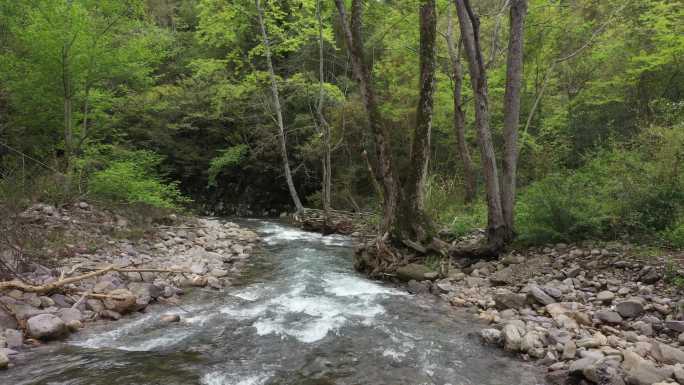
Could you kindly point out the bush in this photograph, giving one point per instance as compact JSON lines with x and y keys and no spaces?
{"x":121,"y":176}
{"x":675,"y":235}
{"x":635,"y":190}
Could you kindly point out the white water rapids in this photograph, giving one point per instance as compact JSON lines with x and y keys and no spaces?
{"x":301,"y":316}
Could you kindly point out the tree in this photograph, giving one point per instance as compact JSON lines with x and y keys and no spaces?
{"x":500,"y":199}
{"x":403,"y":214}
{"x":459,"y":118}
{"x":277,"y":110}
{"x":326,"y":164}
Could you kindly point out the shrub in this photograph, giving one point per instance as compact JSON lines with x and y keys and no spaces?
{"x":675,"y":235}
{"x":121,"y":176}
{"x":635,"y":190}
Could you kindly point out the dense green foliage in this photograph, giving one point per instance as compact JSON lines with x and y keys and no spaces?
{"x":126,"y":96}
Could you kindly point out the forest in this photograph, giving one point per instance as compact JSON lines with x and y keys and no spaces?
{"x":543,"y":120}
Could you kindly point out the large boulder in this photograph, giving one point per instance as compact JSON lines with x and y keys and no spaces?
{"x":125,"y":301}
{"x":412,"y":271}
{"x":666,"y":354}
{"x":630,"y":308}
{"x":47,"y":327}
{"x":536,"y":294}
{"x":642,"y":372}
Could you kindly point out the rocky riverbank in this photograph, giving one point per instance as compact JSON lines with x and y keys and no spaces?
{"x":93,"y":265}
{"x":591,"y":315}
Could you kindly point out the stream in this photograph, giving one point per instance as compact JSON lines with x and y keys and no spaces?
{"x":299,"y":315}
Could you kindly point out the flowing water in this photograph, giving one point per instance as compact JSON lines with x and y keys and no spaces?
{"x":300,"y":315}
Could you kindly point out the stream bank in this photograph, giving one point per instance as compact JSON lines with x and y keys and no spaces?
{"x":298,"y":315}
{"x":158,"y":266}
{"x":590,"y":313}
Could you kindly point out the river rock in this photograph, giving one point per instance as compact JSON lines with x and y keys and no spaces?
{"x":69,"y":314}
{"x":569,"y":350}
{"x":605,"y":296}
{"x":490,"y":336}
{"x":642,"y":372}
{"x":14,"y":338}
{"x":411,"y":271}
{"x":503,"y":277}
{"x":605,"y":371}
{"x":677,"y":326}
{"x":512,"y":334}
{"x":125,"y":304}
{"x":630,"y":308}
{"x":508,"y":300}
{"x":666,"y":354}
{"x":4,"y":361}
{"x":46,"y":327}
{"x":532,"y":344}
{"x":169,"y":318}
{"x":7,"y":321}
{"x":536,"y":294}
{"x":608,"y":317}
{"x":110,"y":314}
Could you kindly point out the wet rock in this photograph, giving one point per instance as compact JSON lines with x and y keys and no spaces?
{"x":7,"y":321}
{"x":74,"y":325}
{"x":126,"y":301}
{"x":214,"y":283}
{"x":608,"y":317}
{"x":110,"y":314}
{"x":415,"y":287}
{"x":145,"y":289}
{"x":46,"y":327}
{"x":60,"y":300}
{"x":411,"y":271}
{"x":14,"y":338}
{"x":94,"y":305}
{"x":169,"y":318}
{"x":4,"y":361}
{"x":630,"y":308}
{"x":490,"y":336}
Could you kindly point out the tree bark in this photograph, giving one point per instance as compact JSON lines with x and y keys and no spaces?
{"x":414,"y":222}
{"x":278,"y":111}
{"x":323,"y":123}
{"x":459,"y":114}
{"x":514,"y":71}
{"x":469,"y":23}
{"x":385,"y":173}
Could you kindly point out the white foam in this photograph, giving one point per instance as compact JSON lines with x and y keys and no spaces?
{"x":218,"y":378}
{"x":344,"y":285}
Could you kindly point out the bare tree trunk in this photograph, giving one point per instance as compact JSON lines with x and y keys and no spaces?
{"x":469,"y":23}
{"x":459,"y":114}
{"x":414,"y":223}
{"x":325,"y":127}
{"x":385,"y":173}
{"x":66,"y":83}
{"x":514,"y":70}
{"x":278,"y":110}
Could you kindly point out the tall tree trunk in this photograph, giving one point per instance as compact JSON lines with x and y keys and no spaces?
{"x":384,"y":172}
{"x":470,"y":34}
{"x":459,"y":114}
{"x":514,"y":70}
{"x":278,"y":110}
{"x":323,"y":123}
{"x":413,"y":219}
